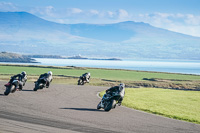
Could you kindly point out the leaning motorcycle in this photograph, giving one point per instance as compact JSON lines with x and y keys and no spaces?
{"x":40,"y":84}
{"x":82,"y":80}
{"x":11,"y":86}
{"x":109,"y":101}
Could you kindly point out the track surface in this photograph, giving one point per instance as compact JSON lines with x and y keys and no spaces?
{"x":72,"y":109}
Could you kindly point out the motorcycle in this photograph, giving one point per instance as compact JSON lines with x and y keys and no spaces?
{"x":82,"y":80}
{"x":11,"y":86}
{"x":109,"y":101}
{"x":40,"y":84}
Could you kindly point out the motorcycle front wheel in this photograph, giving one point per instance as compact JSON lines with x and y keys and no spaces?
{"x":110,"y":105}
{"x":80,"y":82}
{"x":36,"y":87}
{"x":99,"y":105}
{"x":9,"y":89}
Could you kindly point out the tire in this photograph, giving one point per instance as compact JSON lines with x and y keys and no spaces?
{"x":13,"y":89}
{"x":114,"y":104}
{"x":109,"y":106}
{"x":83,"y":82}
{"x":99,"y":105}
{"x":7,"y":91}
{"x":36,"y":87}
{"x":80,"y":82}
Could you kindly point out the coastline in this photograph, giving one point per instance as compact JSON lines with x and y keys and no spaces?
{"x":183,"y":67}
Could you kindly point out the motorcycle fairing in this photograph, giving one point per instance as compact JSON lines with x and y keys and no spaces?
{"x":8,"y":84}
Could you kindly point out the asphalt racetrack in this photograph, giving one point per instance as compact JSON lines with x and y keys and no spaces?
{"x":72,"y":109}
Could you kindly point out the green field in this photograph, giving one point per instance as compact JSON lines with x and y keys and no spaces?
{"x":96,"y":73}
{"x":182,"y":103}
{"x":177,"y":104}
{"x":108,"y":77}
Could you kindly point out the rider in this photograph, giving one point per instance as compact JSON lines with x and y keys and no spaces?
{"x":48,"y":78}
{"x":119,"y":89}
{"x":86,"y":76}
{"x":22,"y":77}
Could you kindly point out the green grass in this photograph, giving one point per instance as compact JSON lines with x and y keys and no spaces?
{"x":182,"y":105}
{"x":106,"y":77}
{"x":96,"y":73}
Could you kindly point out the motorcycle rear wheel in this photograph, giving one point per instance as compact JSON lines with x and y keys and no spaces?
{"x":9,"y":89}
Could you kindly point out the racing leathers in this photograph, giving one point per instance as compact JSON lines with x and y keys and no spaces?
{"x":86,"y":76}
{"x":47,"y":78}
{"x":22,"y":80}
{"x":118,"y":89}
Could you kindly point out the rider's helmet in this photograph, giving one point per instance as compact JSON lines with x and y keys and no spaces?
{"x":121,"y":86}
{"x":88,"y":73}
{"x":50,"y":72}
{"x":23,"y":73}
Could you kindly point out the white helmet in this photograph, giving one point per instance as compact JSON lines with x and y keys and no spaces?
{"x":50,"y":72}
{"x":89,"y":74}
{"x":121,"y":86}
{"x":23,"y":73}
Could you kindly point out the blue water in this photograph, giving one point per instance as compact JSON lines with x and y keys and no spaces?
{"x":172,"y":66}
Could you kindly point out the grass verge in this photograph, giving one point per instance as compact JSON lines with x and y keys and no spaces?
{"x":176,"y":104}
{"x":107,"y":77}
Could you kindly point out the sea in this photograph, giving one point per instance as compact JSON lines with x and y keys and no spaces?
{"x":170,"y":66}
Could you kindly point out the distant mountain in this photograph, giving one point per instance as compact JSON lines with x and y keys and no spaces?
{"x":25,"y":33}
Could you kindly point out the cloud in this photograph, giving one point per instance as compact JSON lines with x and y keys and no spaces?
{"x":192,"y":19}
{"x":119,"y":15}
{"x":189,"y":30}
{"x":163,"y":18}
{"x":182,"y":23}
{"x":7,"y":6}
{"x":75,"y":10}
{"x":122,"y":14}
{"x":48,"y":11}
{"x":94,"y":12}
{"x":110,"y":14}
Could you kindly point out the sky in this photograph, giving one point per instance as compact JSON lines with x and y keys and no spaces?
{"x":181,"y":16}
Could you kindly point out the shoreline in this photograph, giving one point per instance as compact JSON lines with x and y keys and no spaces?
{"x":77,"y":67}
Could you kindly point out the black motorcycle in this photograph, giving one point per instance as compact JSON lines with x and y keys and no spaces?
{"x":82,"y":80}
{"x":40,"y":84}
{"x":11,"y":86}
{"x":109,"y":101}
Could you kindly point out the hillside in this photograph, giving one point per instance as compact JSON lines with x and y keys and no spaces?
{"x":25,"y":33}
{"x":13,"y":57}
